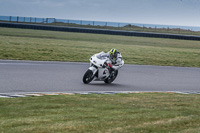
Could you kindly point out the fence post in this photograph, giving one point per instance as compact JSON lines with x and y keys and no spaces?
{"x":93,"y":23}
{"x":10,"y":18}
{"x":17,"y":19}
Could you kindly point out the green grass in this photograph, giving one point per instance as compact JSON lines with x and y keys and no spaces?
{"x":142,"y":112}
{"x":146,"y":112}
{"x":25,"y":44}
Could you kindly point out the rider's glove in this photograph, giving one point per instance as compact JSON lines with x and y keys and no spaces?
{"x":109,"y":65}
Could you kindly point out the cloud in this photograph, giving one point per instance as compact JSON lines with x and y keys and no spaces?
{"x":173,"y":12}
{"x":30,"y":3}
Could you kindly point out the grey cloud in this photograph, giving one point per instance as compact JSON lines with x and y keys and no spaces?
{"x":173,"y":12}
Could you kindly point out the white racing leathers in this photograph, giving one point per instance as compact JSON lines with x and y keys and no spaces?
{"x":116,"y":63}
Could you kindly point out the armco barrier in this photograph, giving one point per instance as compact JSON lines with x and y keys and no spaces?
{"x":99,"y":31}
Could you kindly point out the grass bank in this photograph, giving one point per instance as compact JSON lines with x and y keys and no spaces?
{"x":143,"y":112}
{"x":25,"y":44}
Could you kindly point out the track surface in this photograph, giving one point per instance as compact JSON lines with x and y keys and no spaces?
{"x":33,"y":76}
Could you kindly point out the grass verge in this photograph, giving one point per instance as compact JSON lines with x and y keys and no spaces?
{"x":142,"y":112}
{"x":25,"y":44}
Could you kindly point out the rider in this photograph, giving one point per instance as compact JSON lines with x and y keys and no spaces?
{"x":115,"y":60}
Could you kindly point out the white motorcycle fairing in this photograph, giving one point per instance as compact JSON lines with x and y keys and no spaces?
{"x":97,"y":66}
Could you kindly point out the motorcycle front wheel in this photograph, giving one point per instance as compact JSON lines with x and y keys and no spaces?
{"x":110,"y":79}
{"x":88,"y":77}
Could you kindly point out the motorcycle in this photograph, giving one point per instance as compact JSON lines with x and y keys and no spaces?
{"x":99,"y":69}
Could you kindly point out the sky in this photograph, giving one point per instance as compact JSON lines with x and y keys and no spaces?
{"x":164,"y":12}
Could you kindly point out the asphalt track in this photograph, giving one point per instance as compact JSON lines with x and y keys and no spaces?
{"x":17,"y":77}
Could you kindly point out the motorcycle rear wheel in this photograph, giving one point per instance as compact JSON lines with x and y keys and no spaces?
{"x":110,"y":79}
{"x":88,"y":77}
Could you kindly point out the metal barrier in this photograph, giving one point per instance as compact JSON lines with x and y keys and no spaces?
{"x":172,"y":29}
{"x":98,"y":31}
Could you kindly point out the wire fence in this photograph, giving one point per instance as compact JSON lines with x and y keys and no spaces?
{"x":103,"y":25}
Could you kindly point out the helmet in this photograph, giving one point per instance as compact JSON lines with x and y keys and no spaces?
{"x":113,"y":54}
